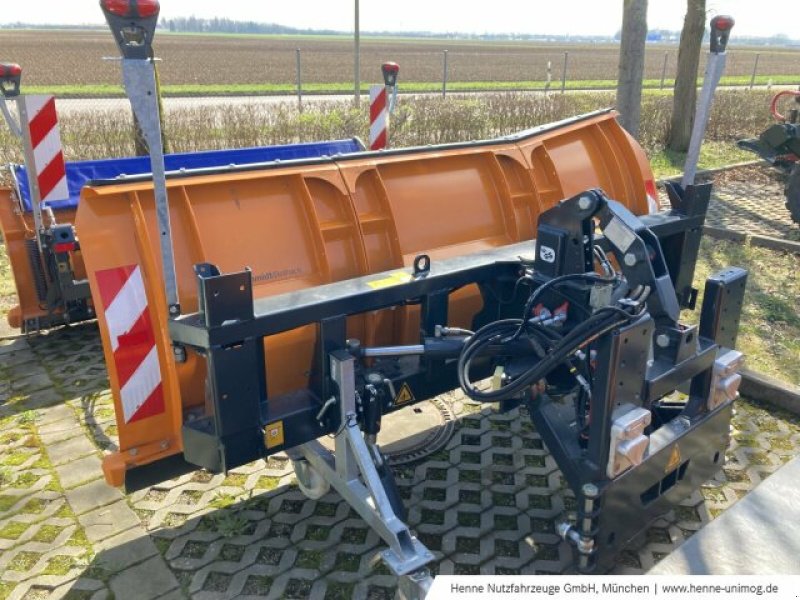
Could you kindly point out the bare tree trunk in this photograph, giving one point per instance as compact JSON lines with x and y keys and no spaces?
{"x":685,"y":98}
{"x":631,"y":64}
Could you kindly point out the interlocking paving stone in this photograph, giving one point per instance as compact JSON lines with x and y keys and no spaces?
{"x":79,"y":471}
{"x":750,"y":200}
{"x":91,"y":495}
{"x":108,"y":520}
{"x":70,"y":450}
{"x":145,"y":581}
{"x":117,"y":553}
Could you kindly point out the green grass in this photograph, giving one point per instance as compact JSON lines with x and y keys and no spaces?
{"x":769,"y":332}
{"x":255,"y":89}
{"x":667,"y":163}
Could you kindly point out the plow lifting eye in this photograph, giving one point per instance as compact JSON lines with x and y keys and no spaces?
{"x":133,"y":23}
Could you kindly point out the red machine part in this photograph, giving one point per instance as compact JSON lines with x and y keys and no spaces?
{"x":10,"y":70}
{"x":131,"y":8}
{"x":773,"y":106}
{"x":722,"y":22}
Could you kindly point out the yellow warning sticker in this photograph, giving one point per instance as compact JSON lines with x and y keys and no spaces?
{"x":273,"y":435}
{"x":674,"y":459}
{"x":394,"y":279}
{"x":404,"y":396}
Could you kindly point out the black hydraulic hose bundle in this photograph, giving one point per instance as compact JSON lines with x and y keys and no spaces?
{"x":551,"y":347}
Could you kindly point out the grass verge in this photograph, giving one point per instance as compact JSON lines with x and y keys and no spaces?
{"x":257,"y":89}
{"x":769,"y":332}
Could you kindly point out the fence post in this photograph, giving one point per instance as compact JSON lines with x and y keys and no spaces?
{"x":444,"y":74}
{"x":564,"y":73}
{"x":549,"y":76}
{"x":755,"y":68}
{"x":664,"y":70}
{"x":299,"y":83}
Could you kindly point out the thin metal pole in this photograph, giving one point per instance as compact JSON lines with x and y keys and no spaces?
{"x":664,"y":70}
{"x":549,"y":80}
{"x":357,"y":60}
{"x":755,"y":68}
{"x":564,"y":73}
{"x":715,"y":67}
{"x":30,"y":163}
{"x":444,"y":74}
{"x":299,"y":83}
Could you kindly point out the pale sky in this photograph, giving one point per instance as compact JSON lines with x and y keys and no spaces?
{"x":574,"y":17}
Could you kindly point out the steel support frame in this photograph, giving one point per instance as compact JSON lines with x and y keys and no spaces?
{"x":352,"y":472}
{"x":227,"y":321}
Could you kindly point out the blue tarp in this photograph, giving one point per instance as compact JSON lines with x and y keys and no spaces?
{"x":81,"y":172}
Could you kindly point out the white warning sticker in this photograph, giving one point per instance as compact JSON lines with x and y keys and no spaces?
{"x":619,"y":234}
{"x":547,"y":254}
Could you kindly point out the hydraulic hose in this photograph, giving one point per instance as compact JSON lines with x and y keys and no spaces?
{"x":603,"y":321}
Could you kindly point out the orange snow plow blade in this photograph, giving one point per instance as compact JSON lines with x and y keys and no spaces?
{"x":302,"y":224}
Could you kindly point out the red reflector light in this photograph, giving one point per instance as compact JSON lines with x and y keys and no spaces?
{"x":10,"y":70}
{"x":131,"y":8}
{"x":391,"y":67}
{"x":64,"y":247}
{"x":722,"y":22}
{"x":650,"y":188}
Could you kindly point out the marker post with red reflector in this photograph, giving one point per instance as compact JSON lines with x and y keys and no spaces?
{"x":381,"y":107}
{"x":721,"y":26}
{"x":133,"y":23}
{"x":10,"y":78}
{"x":39,"y":133}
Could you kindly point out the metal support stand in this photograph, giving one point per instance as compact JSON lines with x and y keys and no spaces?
{"x":138,"y":76}
{"x":352,"y":472}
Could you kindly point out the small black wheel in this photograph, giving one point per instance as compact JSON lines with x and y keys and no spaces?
{"x":792,"y":193}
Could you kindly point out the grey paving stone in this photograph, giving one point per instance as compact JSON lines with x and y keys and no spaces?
{"x":108,"y":520}
{"x":79,"y":471}
{"x":91,"y":495}
{"x":69,"y":450}
{"x":123,"y":550}
{"x":145,"y":581}
{"x":173,"y":595}
{"x":59,"y":431}
{"x":55,"y":414}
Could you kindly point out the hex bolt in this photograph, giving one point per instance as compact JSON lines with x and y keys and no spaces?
{"x":173,"y":310}
{"x":630,"y":259}
{"x":584,"y":202}
{"x":662,"y":340}
{"x":590,"y":490}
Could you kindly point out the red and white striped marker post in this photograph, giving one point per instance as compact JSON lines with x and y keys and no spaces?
{"x":378,"y":118}
{"x":43,"y":141}
{"x":133,"y":343}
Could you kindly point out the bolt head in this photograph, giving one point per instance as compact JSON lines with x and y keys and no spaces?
{"x":630,"y":259}
{"x":590,"y":490}
{"x":584,"y":202}
{"x":662,"y":340}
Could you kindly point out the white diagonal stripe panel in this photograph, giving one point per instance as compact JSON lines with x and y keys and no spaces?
{"x":141,"y":384}
{"x":59,"y":192}
{"x":47,"y":149}
{"x":33,"y":104}
{"x":126,"y":308}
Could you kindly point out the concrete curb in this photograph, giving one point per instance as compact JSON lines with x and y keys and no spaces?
{"x":772,"y":391}
{"x":714,"y":171}
{"x":754,"y":240}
